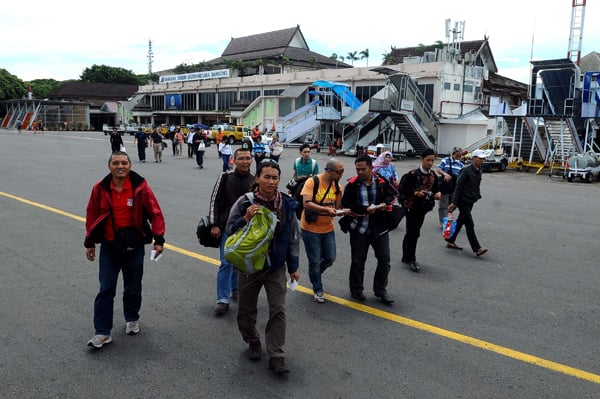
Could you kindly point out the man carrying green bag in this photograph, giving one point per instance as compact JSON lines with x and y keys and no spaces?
{"x":281,"y":251}
{"x":247,"y":248}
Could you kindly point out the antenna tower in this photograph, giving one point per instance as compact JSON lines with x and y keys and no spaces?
{"x":454,"y":37}
{"x":576,"y":34}
{"x":150,"y":58}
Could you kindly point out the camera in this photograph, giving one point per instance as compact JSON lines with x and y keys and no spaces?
{"x":428,"y":196}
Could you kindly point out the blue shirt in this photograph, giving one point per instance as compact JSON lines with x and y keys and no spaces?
{"x":457,"y":165}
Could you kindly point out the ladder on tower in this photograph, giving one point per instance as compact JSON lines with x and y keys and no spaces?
{"x":576,"y":34}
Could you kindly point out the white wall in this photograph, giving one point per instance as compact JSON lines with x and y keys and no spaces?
{"x":459,"y":133}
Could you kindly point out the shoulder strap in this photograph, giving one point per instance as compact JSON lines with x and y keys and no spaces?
{"x":314,"y":163}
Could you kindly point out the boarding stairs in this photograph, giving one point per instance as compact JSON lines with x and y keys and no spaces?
{"x":410,"y":111}
{"x":561,"y":137}
{"x":300,"y":127}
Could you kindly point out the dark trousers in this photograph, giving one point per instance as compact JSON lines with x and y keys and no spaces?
{"x":466,"y":219}
{"x":359,"y":249}
{"x":111,"y":263}
{"x":190,"y":150}
{"x":142,"y":151}
{"x":250,"y":285}
{"x":200,"y":158}
{"x":414,"y":221}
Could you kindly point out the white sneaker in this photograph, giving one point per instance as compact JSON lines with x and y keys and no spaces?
{"x":99,"y":340}
{"x":132,"y":328}
{"x":318,"y":297}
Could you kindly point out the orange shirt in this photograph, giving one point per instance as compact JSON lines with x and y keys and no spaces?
{"x":324,"y":223}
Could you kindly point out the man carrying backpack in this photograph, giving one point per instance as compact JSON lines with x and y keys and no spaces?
{"x":228,"y":188}
{"x":418,"y":192}
{"x":317,"y":222}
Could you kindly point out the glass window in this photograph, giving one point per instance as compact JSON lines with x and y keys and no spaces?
{"x":456,"y":86}
{"x":447,"y":85}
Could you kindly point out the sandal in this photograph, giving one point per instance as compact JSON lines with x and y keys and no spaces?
{"x":452,"y":245}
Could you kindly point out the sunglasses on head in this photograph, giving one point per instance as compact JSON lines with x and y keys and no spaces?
{"x":339,"y":172}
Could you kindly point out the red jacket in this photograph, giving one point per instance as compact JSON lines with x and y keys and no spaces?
{"x":147,"y":215}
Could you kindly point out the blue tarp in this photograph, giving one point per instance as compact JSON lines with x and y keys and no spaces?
{"x":198,"y":126}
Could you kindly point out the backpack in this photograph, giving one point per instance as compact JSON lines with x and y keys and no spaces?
{"x":298,"y":197}
{"x":247,"y":248}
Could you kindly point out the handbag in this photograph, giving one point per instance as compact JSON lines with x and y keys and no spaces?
{"x":277,"y":150}
{"x":201,"y":146}
{"x":203,"y":233}
{"x":164,"y":144}
{"x":395,"y":216}
{"x":127,"y":239}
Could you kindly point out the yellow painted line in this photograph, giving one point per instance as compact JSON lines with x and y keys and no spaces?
{"x":465,"y":339}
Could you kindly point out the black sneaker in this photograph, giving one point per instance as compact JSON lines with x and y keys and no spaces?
{"x":234,"y":295}
{"x":254,"y":350}
{"x":277,"y":364}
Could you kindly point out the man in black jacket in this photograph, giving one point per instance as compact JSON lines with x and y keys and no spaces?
{"x":368,"y":197}
{"x":418,"y":191}
{"x":465,"y":195}
{"x":228,"y":188}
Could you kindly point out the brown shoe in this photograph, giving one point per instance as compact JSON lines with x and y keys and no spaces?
{"x":453,"y":245}
{"x":277,"y":364}
{"x":254,"y":350}
{"x":481,"y":251}
{"x":221,"y":309}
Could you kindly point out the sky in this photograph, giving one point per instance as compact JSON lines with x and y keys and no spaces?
{"x":59,"y":39}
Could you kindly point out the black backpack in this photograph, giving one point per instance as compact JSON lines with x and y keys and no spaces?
{"x":298,"y":197}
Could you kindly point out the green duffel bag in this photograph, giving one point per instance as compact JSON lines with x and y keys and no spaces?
{"x":247,"y":248}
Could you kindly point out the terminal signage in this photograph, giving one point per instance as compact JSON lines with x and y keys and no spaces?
{"x":185,"y":77}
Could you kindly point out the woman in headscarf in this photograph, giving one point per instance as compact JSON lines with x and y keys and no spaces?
{"x":384,"y":167}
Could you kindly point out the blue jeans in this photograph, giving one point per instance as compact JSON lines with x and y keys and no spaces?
{"x":226,"y":276}
{"x":111,"y":263}
{"x":225,"y":159}
{"x":320,"y":251}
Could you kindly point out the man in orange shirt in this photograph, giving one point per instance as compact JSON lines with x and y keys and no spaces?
{"x":255,"y":133}
{"x":317,"y":222}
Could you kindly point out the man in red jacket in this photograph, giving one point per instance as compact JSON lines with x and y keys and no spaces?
{"x":122,"y":215}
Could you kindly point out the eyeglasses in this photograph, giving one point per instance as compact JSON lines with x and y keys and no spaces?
{"x":339,"y":172}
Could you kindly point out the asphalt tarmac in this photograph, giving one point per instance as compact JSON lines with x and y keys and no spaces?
{"x":520,"y":322}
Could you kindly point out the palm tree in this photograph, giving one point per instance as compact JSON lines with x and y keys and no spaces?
{"x":365,"y":54}
{"x":389,"y":58}
{"x":439,"y":44}
{"x":334,"y":57}
{"x":352,"y":56}
{"x":312,"y":61}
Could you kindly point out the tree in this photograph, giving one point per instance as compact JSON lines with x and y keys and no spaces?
{"x":334,"y":57}
{"x":365,"y":54}
{"x":108,"y":74}
{"x":313,"y":62}
{"x":389,"y":58}
{"x":352,"y":56}
{"x":42,"y":87}
{"x":11,"y":87}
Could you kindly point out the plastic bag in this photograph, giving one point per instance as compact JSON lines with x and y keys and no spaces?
{"x":449,"y":225}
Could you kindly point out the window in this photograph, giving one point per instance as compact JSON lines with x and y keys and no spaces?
{"x":189,"y":101}
{"x":456,"y":86}
{"x":226,"y":99}
{"x":158,"y":102}
{"x":207,"y":102}
{"x":468,"y":89}
{"x":249,"y":95}
{"x":447,"y":86}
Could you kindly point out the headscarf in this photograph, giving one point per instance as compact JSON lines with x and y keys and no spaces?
{"x":381,"y":162}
